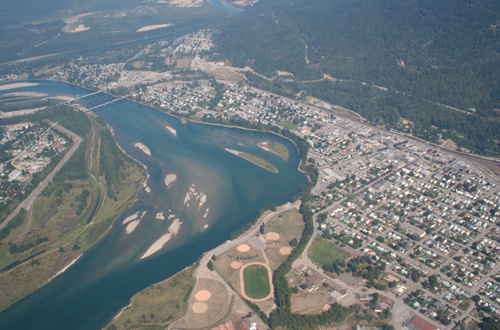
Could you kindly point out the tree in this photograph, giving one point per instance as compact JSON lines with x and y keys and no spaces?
{"x":210,"y":265}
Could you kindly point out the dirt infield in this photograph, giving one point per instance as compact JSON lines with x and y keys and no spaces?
{"x":285,"y":250}
{"x":243,"y":248}
{"x":203,"y":295}
{"x":242,"y":283}
{"x":272,"y":236}
{"x":202,"y":312}
{"x":199,"y":307}
{"x":236,"y":264}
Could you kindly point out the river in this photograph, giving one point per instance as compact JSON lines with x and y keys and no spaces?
{"x":92,"y":291}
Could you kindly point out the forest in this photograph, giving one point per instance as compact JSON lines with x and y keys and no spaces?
{"x":385,"y":59}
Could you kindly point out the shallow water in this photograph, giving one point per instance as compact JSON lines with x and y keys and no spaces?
{"x":101,"y":282}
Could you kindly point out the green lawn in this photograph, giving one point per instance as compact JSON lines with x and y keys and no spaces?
{"x":256,"y":279}
{"x":288,"y":125}
{"x":260,"y":162}
{"x":276,"y":148}
{"x":325,"y":252}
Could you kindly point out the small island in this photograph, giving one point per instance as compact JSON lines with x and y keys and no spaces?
{"x":275,"y":148}
{"x":254,"y":159}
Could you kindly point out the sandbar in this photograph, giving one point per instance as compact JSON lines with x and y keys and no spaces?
{"x":169,"y":179}
{"x":186,"y":3}
{"x":131,"y":226}
{"x":158,"y":245}
{"x":79,"y":28}
{"x":143,"y":148}
{"x":65,"y":268}
{"x":234,"y":152}
{"x":193,"y":194}
{"x":160,"y":216}
{"x":153,"y":27}
{"x":131,"y":217}
{"x":62,"y":97}
{"x":171,"y":130}
{"x":16,"y":85}
{"x":147,"y":189}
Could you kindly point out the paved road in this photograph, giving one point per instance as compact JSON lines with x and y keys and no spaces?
{"x":27,"y":204}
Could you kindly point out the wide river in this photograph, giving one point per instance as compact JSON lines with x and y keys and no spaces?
{"x":214,"y":193}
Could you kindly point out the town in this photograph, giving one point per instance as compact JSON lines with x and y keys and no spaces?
{"x":416,"y":228}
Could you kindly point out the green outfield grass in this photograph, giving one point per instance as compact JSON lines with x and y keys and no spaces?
{"x":256,"y":279}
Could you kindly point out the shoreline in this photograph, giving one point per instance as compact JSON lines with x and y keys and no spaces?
{"x":66,"y":268}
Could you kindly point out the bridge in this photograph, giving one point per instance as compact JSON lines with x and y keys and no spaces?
{"x":106,"y":104}
{"x":82,"y":97}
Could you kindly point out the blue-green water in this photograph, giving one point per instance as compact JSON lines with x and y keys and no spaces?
{"x":101,"y":282}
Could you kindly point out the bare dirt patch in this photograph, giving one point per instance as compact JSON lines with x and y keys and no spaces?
{"x":206,"y":312}
{"x":199,"y":307}
{"x":308,"y":303}
{"x":285,"y":251}
{"x":243,"y":248}
{"x":203,"y":295}
{"x":272,"y":236}
{"x":236,"y":264}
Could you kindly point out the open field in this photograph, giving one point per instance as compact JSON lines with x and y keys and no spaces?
{"x":208,"y":309}
{"x":256,"y":279}
{"x":324,"y":252}
{"x":276,"y":148}
{"x":232,"y":275}
{"x":288,"y":125}
{"x":309,"y":303}
{"x":159,"y":304}
{"x":288,"y":225}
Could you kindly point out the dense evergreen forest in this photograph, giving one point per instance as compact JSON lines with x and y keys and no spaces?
{"x":390,"y":59}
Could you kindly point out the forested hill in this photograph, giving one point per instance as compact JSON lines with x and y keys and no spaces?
{"x":445,"y":51}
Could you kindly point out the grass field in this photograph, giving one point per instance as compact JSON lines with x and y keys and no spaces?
{"x":324,"y":252}
{"x":256,"y":279}
{"x":288,"y":125}
{"x":260,"y":162}
{"x":159,"y":304}
{"x":276,"y":148}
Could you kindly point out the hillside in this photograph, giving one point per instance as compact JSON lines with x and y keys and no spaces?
{"x":384,"y":59}
{"x":56,"y":26}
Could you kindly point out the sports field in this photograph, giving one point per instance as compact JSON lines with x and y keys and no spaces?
{"x":256,"y":278}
